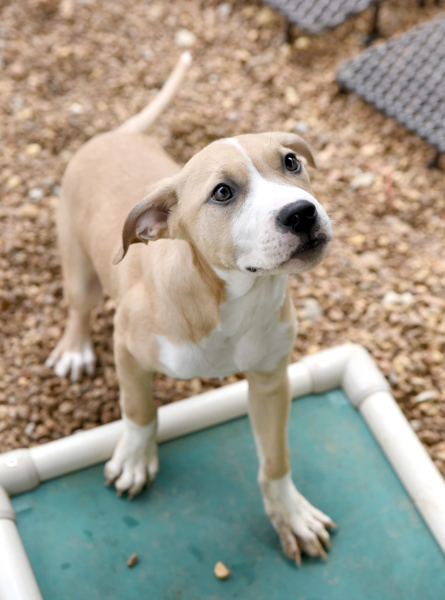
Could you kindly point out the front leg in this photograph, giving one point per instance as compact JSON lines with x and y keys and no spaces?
{"x":135,"y":458}
{"x":300,"y":526}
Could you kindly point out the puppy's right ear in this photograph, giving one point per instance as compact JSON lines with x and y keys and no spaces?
{"x":148,"y":219}
{"x":295,"y":143}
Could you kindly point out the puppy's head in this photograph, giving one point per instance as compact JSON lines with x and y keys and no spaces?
{"x":245,"y":203}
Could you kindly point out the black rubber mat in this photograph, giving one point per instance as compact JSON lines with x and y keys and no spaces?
{"x":315,"y":16}
{"x":405,"y":78}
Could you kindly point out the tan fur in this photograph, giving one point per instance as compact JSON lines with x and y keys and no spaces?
{"x":269,"y":402}
{"x":266,"y":155}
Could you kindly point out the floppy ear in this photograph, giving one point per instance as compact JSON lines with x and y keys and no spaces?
{"x":148,"y":219}
{"x":295,"y":143}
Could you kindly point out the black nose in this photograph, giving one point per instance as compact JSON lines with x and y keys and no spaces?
{"x":298,"y":217}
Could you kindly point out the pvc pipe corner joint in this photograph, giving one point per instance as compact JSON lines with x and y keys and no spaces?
{"x":350,"y":367}
{"x":18,"y":472}
{"x":361,"y":376}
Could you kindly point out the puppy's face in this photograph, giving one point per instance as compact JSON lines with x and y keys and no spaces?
{"x":245,"y":203}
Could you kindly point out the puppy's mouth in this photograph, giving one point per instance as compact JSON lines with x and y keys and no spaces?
{"x":311,"y":244}
{"x":309,"y":250}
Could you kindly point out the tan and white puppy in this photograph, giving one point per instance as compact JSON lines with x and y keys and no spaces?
{"x":205,"y":294}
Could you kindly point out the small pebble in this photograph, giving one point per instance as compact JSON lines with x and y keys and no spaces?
{"x":426,"y":396}
{"x":312,"y":309}
{"x":265,"y":16}
{"x":185,"y":38}
{"x":224,"y":10}
{"x":221,"y":571}
{"x":369,"y":149}
{"x":133,"y":560}
{"x":362,"y":180}
{"x":302,"y":42}
{"x":416,"y":424}
{"x":392,"y":298}
{"x":148,"y":54}
{"x":33,"y":149}
{"x":357,"y":240}
{"x":36,"y":193}
{"x":291,"y":95}
{"x":29,"y":210}
{"x":29,"y":428}
{"x":76,"y":108}
{"x":393,"y":378}
{"x":12,"y":182}
{"x":66,"y":9}
{"x":370,"y":260}
{"x":300,"y":127}
{"x":66,"y":407}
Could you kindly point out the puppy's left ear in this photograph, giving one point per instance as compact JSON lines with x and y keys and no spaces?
{"x":148,"y":219}
{"x":295,"y":143}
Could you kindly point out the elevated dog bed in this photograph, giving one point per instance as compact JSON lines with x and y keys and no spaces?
{"x":405,"y":78}
{"x":205,"y":505}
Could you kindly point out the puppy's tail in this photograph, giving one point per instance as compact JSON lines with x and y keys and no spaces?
{"x":145,"y":119}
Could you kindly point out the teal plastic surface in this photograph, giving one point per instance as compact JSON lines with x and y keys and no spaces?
{"x":205,"y":506}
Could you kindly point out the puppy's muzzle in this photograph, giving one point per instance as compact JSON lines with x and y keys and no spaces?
{"x":298,"y":217}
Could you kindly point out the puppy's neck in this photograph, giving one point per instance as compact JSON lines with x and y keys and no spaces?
{"x":238,"y":284}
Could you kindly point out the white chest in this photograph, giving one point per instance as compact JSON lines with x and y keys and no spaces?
{"x":250,"y":335}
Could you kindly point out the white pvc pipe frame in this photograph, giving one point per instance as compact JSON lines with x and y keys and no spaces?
{"x":349,"y":367}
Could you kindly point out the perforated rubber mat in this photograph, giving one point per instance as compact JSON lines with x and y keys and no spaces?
{"x":315,"y":16}
{"x":205,"y":506}
{"x":405,"y":78}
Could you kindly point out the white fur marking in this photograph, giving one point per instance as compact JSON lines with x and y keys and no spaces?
{"x":243,"y":151}
{"x":250,"y":333}
{"x":238,"y":283}
{"x":74,"y":363}
{"x":134,"y":458}
{"x":258,"y":243}
{"x":294,"y":517}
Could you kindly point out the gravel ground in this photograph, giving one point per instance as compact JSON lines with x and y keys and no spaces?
{"x":70,"y":71}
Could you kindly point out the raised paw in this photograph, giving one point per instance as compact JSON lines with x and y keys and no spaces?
{"x":300,"y":526}
{"x":135,"y":460}
{"x":72,"y":362}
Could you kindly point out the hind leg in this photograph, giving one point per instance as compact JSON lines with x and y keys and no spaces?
{"x":74,"y":353}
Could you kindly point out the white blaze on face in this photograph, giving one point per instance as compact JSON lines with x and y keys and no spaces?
{"x":257,"y":240}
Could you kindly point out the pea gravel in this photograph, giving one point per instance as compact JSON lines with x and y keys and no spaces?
{"x":72,"y":69}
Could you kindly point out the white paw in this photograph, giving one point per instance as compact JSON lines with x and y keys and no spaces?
{"x":135,"y":459}
{"x":72,"y":363}
{"x":300,"y":526}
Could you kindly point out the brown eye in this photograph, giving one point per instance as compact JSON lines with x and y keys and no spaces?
{"x":291,"y":163}
{"x":222,"y":193}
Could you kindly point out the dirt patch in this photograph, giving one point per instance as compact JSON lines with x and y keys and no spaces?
{"x":70,"y":71}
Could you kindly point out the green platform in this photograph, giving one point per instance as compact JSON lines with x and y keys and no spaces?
{"x":205,"y":506}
